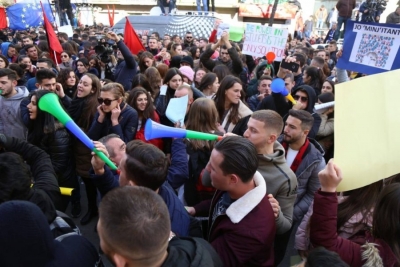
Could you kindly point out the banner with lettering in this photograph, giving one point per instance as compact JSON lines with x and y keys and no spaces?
{"x":260,"y":39}
{"x":370,"y":48}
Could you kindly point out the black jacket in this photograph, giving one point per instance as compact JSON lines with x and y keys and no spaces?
{"x":126,"y":129}
{"x":276,"y":102}
{"x":193,"y":252}
{"x":126,"y":69}
{"x":45,"y":190}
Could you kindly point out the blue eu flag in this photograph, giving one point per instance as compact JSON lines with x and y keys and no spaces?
{"x":28,"y":13}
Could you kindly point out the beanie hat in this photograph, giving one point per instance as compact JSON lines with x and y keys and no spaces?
{"x":187,"y":72}
{"x":188,"y":60}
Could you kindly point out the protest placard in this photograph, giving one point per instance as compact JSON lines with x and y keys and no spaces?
{"x":263,"y":39}
{"x":370,"y":47}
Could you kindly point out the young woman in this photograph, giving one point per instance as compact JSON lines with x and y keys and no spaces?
{"x":209,"y":85}
{"x":3,"y":62}
{"x":221,"y":71}
{"x":173,"y":79}
{"x":66,"y":61}
{"x":83,"y":67}
{"x":68,"y":80}
{"x":141,"y":101}
{"x":176,"y":50}
{"x":202,"y":117}
{"x":94,"y":63}
{"x":198,"y":75}
{"x":146,"y":60}
{"x":195,"y":51}
{"x":314,"y":77}
{"x":328,"y":87}
{"x":155,"y":80}
{"x":162,"y":69}
{"x":233,"y":113}
{"x":380,"y":246}
{"x":82,"y":110}
{"x":114,"y":115}
{"x":47,"y":133}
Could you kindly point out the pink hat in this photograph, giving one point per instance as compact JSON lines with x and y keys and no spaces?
{"x":188,"y":72}
{"x":215,"y":55}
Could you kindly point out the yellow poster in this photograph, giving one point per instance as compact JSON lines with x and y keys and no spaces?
{"x":367,"y":129}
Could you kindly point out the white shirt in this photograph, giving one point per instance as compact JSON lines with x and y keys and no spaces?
{"x":290,"y":156}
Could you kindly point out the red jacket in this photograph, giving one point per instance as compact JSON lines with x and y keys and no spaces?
{"x":323,"y":233}
{"x":245,"y":234}
{"x":158,"y":142}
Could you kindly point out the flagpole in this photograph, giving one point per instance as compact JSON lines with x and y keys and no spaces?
{"x":55,"y":57}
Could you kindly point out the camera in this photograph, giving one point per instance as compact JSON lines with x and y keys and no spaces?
{"x":375,"y":7}
{"x":103,"y":52}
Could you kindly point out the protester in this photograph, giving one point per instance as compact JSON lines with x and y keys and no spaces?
{"x":209,"y":85}
{"x":67,"y":78}
{"x":394,"y":17}
{"x":264,"y":90}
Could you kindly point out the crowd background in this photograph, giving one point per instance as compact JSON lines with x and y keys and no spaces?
{"x":274,"y":154}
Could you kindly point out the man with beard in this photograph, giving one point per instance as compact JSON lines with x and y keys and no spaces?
{"x":305,"y":158}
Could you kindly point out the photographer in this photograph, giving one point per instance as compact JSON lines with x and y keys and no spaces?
{"x":126,"y":67}
{"x":371,"y":10}
{"x":107,"y":60}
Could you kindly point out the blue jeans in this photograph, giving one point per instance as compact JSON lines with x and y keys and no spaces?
{"x":170,"y":6}
{"x":307,"y":34}
{"x":320,"y":24}
{"x":341,"y":21}
{"x":205,"y":6}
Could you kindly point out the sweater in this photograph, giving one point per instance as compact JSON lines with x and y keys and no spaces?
{"x":281,"y":183}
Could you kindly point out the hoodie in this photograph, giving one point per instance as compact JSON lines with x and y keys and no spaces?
{"x":193,"y":252}
{"x":4,"y":52}
{"x":281,"y":183}
{"x":28,"y":240}
{"x":312,"y":99}
{"x":10,"y":116}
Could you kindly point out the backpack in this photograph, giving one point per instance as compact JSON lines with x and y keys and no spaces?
{"x":63,"y":226}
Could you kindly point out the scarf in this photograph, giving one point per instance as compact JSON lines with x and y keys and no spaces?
{"x":300,"y":155}
{"x":76,"y":108}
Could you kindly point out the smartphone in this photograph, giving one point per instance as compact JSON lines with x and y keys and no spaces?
{"x":292,"y":66}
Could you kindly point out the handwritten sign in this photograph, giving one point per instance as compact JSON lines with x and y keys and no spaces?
{"x":260,"y":40}
{"x":370,"y":48}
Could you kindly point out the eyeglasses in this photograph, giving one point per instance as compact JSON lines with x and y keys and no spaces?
{"x":106,"y":102}
{"x":64,"y":56}
{"x":302,"y":98}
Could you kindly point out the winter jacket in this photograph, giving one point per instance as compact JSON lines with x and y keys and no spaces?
{"x":180,"y":220}
{"x":326,"y":126}
{"x":244,"y":235}
{"x":362,"y":251}
{"x":45,"y":190}
{"x":312,"y":99}
{"x":244,"y":113}
{"x":281,"y":183}
{"x":11,"y":123}
{"x":345,"y":8}
{"x":355,"y":224}
{"x":363,"y":7}
{"x":126,"y":127}
{"x":307,"y":178}
{"x":193,"y":252}
{"x":393,"y":18}
{"x":125,"y":69}
{"x":235,"y":65}
{"x":158,"y":142}
{"x":59,"y":147}
{"x":25,"y":230}
{"x":253,"y":102}
{"x":178,"y":171}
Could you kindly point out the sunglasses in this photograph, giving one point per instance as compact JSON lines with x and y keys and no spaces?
{"x":302,"y":98}
{"x":189,"y":37}
{"x":106,"y":102}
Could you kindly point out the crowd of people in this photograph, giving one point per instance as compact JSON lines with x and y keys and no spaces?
{"x":174,"y":201}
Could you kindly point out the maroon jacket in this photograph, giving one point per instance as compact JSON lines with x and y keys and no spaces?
{"x":345,"y":8}
{"x":245,"y":234}
{"x":323,"y":233}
